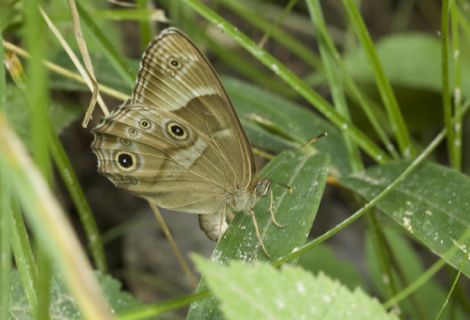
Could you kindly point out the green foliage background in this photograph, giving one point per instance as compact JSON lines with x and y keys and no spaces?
{"x":394,"y":106}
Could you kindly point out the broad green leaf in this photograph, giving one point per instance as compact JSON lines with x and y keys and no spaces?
{"x":297,"y":124}
{"x":432,"y":204}
{"x":306,"y":174}
{"x":260,"y":291}
{"x":323,"y":259}
{"x":412,"y":60}
{"x":426,"y":302}
{"x":63,"y":304}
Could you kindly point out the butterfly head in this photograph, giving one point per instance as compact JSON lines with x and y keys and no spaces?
{"x":262,"y":187}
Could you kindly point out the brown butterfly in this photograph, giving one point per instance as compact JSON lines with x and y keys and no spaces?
{"x":178,"y":142}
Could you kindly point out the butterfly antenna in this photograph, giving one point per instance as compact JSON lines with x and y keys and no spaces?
{"x":280,"y":163}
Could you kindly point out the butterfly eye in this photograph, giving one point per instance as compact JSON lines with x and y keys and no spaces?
{"x":176,"y":131}
{"x":263,"y":187}
{"x":126,"y":161}
{"x":144,"y":124}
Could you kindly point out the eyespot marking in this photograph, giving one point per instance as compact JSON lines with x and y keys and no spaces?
{"x":126,"y":161}
{"x":176,"y":131}
{"x":145,"y":124}
{"x":174,"y":63}
{"x":124,"y":141}
{"x":132,"y":132}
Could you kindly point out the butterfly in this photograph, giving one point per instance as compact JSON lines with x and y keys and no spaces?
{"x":178,"y":142}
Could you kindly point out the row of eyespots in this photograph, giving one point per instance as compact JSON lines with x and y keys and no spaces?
{"x":172,"y":128}
{"x":127,"y":161}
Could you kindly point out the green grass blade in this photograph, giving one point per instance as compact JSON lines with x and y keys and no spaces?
{"x":333,"y":76}
{"x":43,"y":284}
{"x":36,"y":86}
{"x":5,"y":208}
{"x":145,"y":26}
{"x":290,"y":43}
{"x":78,"y":197}
{"x":446,"y":98}
{"x":243,"y":67}
{"x":384,"y":86}
{"x":37,"y":97}
{"x":352,"y":89}
{"x":153,"y":310}
{"x":293,"y":80}
{"x":24,"y":258}
{"x":114,"y":57}
{"x":143,"y":14}
{"x":457,"y":68}
{"x":5,"y":249}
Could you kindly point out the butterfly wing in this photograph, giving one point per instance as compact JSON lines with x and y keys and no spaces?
{"x":177,"y":141}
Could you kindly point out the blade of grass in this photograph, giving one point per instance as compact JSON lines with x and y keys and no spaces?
{"x":78,"y":197}
{"x":353,"y":89}
{"x":49,"y":224}
{"x":428,"y":274}
{"x":270,"y":10}
{"x":5,"y":250}
{"x":285,"y":12}
{"x":87,"y":62}
{"x":36,"y":84}
{"x":37,"y":99}
{"x":378,"y":241}
{"x":143,"y":14}
{"x":174,"y":247}
{"x":107,"y":49}
{"x":334,"y":76}
{"x":5,"y":209}
{"x":43,"y":284}
{"x":286,"y":40}
{"x":247,"y":69}
{"x":334,"y":81}
{"x":449,"y":294}
{"x":391,"y":105}
{"x":145,"y":26}
{"x":67,"y":73}
{"x":446,"y":98}
{"x":457,"y":72}
{"x":89,"y":79}
{"x":293,"y":80}
{"x":24,"y":258}
{"x":154,"y":310}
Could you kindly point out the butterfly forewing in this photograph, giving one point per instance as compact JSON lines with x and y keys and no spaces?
{"x":175,"y":76}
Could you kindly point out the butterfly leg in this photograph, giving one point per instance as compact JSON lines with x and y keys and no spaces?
{"x":258,"y":234}
{"x":223,"y":220}
{"x":273,"y":217}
